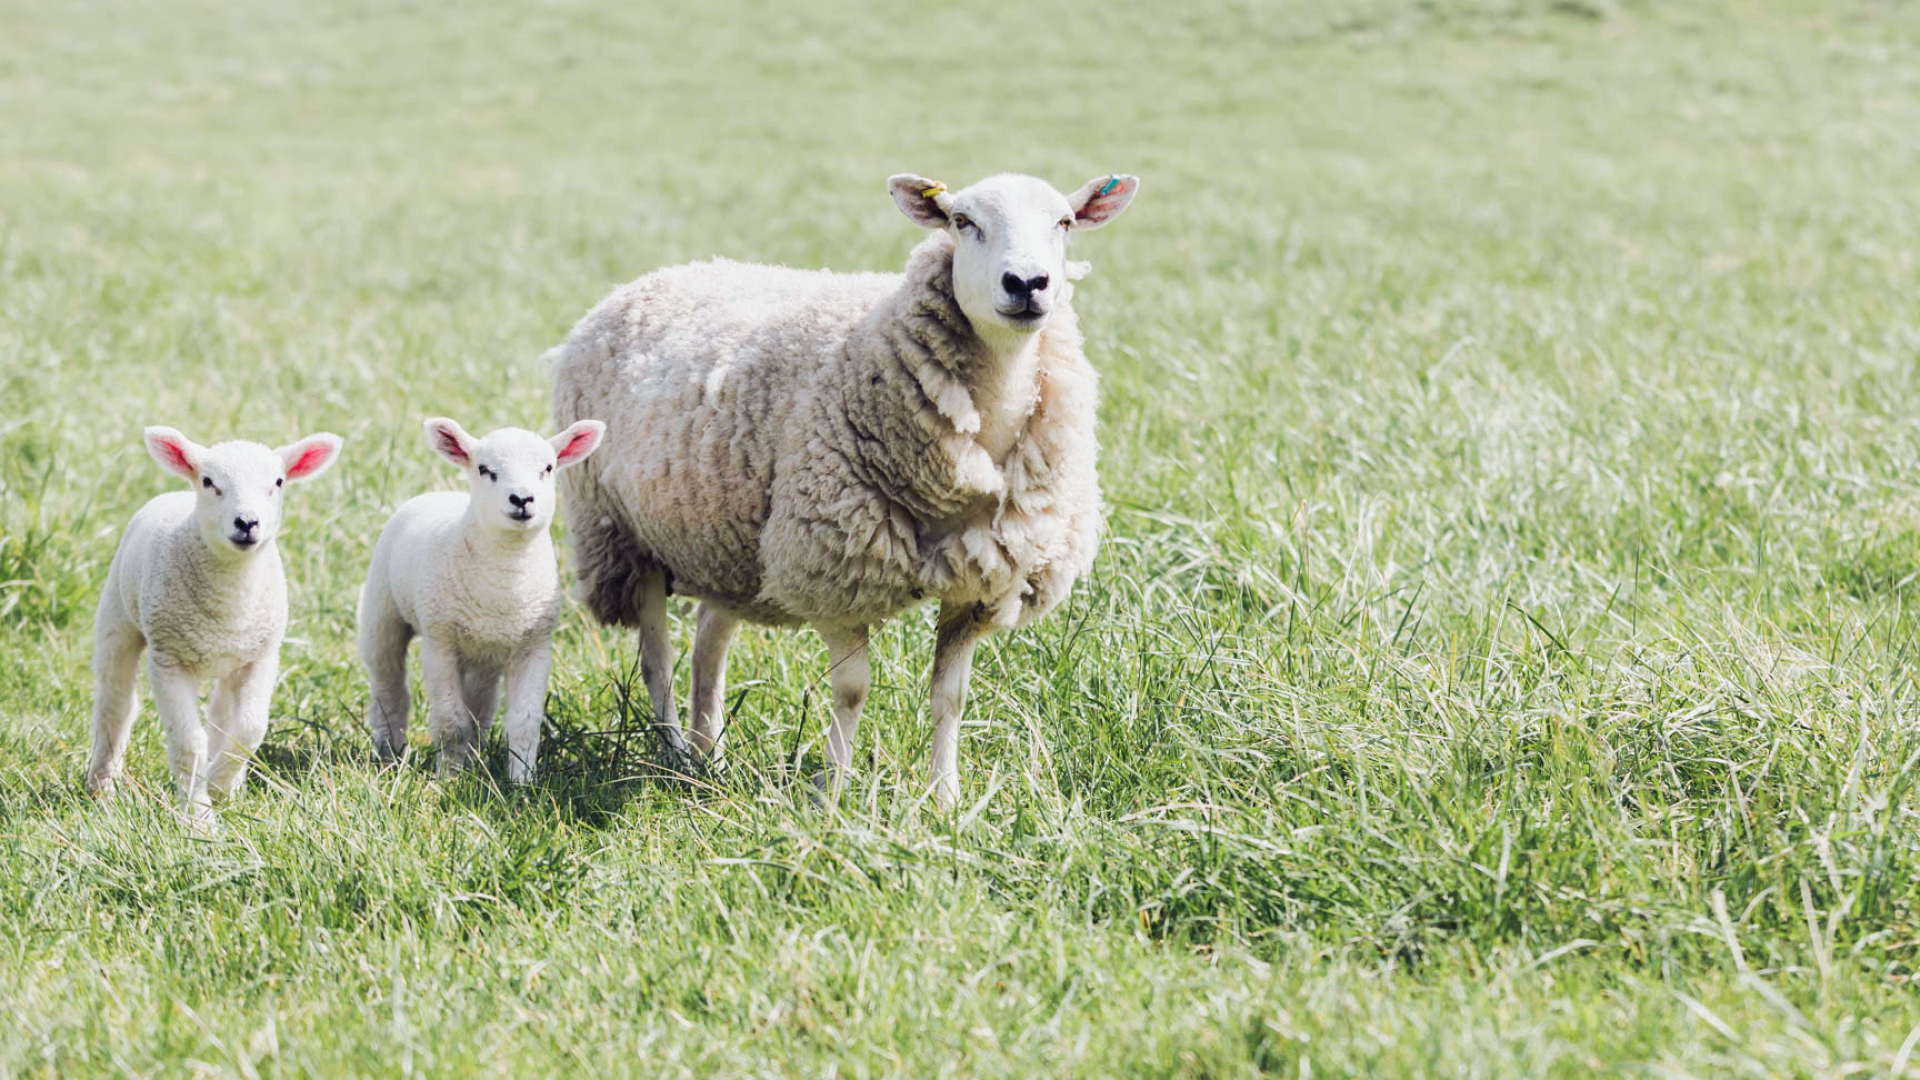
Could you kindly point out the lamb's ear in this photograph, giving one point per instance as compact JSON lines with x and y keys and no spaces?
{"x":925,"y":201}
{"x":581,"y":438}
{"x":1100,"y":201}
{"x":175,"y":452}
{"x":310,"y":456}
{"x":450,"y":441}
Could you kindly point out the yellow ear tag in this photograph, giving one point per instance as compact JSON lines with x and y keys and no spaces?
{"x":936,"y":189}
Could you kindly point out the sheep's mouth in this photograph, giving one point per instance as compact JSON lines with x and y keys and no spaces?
{"x":1025,"y":315}
{"x":522,"y":515}
{"x":244,"y":543}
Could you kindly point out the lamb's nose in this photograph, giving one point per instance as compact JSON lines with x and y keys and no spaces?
{"x":246,"y":526}
{"x":520,"y":502}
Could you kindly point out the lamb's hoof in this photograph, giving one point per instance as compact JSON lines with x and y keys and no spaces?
{"x":200,"y":822}
{"x":100,"y":787}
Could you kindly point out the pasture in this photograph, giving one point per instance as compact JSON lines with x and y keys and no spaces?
{"x":1501,"y":661}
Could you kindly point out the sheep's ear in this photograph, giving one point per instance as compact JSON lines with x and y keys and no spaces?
{"x":1100,"y":201}
{"x":581,"y":438}
{"x":175,"y":452}
{"x":310,"y":456}
{"x":925,"y":201}
{"x":450,"y":441}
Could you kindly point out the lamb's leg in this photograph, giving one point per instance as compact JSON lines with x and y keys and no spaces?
{"x":526,"y":708}
{"x":849,"y":676}
{"x":448,"y":722}
{"x":480,"y":689}
{"x":656,"y":666}
{"x":237,"y":721}
{"x":960,"y":630}
{"x":384,"y":636}
{"x":176,"y":697}
{"x":116,"y":664}
{"x":711,"y":637}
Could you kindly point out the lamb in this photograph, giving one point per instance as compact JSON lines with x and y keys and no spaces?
{"x":197,"y":585}
{"x":474,"y":576}
{"x":794,"y":446}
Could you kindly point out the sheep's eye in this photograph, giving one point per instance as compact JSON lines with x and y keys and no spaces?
{"x":549,"y":468}
{"x":962,"y":222}
{"x":1066,"y":223}
{"x":282,"y":482}
{"x":488,"y":473}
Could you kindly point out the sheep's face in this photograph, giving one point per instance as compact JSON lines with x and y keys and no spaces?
{"x":1010,"y":239}
{"x":510,"y":471}
{"x":240,"y":485}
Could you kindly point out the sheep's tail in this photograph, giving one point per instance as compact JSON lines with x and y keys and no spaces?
{"x":609,"y":562}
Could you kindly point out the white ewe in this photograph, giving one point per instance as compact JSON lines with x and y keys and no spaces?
{"x":197,"y":584}
{"x":795,"y":446}
{"x":474,"y":576}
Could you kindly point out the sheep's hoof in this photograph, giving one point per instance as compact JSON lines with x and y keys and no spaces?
{"x":100,"y":787}
{"x":200,"y":821}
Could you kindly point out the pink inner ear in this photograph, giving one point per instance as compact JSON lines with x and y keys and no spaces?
{"x":311,"y":458}
{"x":449,"y":445}
{"x":578,"y":447}
{"x":176,"y":456}
{"x":1101,"y":207}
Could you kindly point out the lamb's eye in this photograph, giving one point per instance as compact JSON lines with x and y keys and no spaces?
{"x":280,"y":483}
{"x":962,"y":222}
{"x":488,"y":473}
{"x":206,"y":481}
{"x":549,"y":468}
{"x":1066,"y":223}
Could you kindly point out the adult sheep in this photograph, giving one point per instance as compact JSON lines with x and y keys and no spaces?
{"x":802,"y":446}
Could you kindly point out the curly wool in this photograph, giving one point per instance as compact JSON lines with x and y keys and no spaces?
{"x":802,"y":446}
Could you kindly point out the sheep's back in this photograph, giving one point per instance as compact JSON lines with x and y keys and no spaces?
{"x":699,"y":372}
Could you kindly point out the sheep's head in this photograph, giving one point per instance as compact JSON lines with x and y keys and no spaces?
{"x":1010,"y":239}
{"x":240,"y":485}
{"x":510,"y":471}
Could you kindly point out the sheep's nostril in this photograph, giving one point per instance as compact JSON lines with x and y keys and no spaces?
{"x":520,"y":502}
{"x":1037,"y":283}
{"x":1014,"y":285}
{"x":246,"y":527}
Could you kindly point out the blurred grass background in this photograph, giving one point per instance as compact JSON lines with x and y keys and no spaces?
{"x":1501,"y":660}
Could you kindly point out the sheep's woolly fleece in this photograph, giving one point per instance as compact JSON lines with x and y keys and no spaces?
{"x":798,"y":446}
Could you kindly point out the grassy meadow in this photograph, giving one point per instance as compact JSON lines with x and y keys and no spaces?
{"x":1501,"y":661}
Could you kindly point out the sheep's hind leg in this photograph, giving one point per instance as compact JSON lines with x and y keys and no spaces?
{"x":449,"y":723}
{"x":237,"y":722}
{"x":384,"y":637}
{"x":656,"y":667}
{"x":713,"y":634}
{"x":960,"y":630}
{"x":849,"y":676}
{"x":116,"y":664}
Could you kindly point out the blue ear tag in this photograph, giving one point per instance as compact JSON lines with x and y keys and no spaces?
{"x":1112,"y":182}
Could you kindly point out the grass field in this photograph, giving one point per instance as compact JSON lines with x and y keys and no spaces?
{"x":1501,"y":662}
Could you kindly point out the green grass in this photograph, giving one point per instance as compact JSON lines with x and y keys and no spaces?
{"x":1501,"y":662}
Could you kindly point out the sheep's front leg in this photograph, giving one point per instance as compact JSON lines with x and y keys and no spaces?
{"x":526,"y":708}
{"x":176,"y":697}
{"x":449,"y":723}
{"x":237,"y":722}
{"x":116,"y":664}
{"x":656,"y":667}
{"x":711,"y":638}
{"x":849,"y":676}
{"x":960,"y":630}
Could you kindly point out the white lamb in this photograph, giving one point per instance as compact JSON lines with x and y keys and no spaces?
{"x":197,"y":585}
{"x":801,"y":446}
{"x":474,"y":576}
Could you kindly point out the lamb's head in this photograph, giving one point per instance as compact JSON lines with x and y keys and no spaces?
{"x":510,"y":471}
{"x":1010,"y":239}
{"x":240,"y":485}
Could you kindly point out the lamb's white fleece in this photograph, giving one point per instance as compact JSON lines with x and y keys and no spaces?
{"x":473,"y":575}
{"x":197,"y":585}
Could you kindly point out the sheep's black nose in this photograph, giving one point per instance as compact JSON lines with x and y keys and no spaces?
{"x":520,"y":502}
{"x":246,"y":527}
{"x":1017,"y":286}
